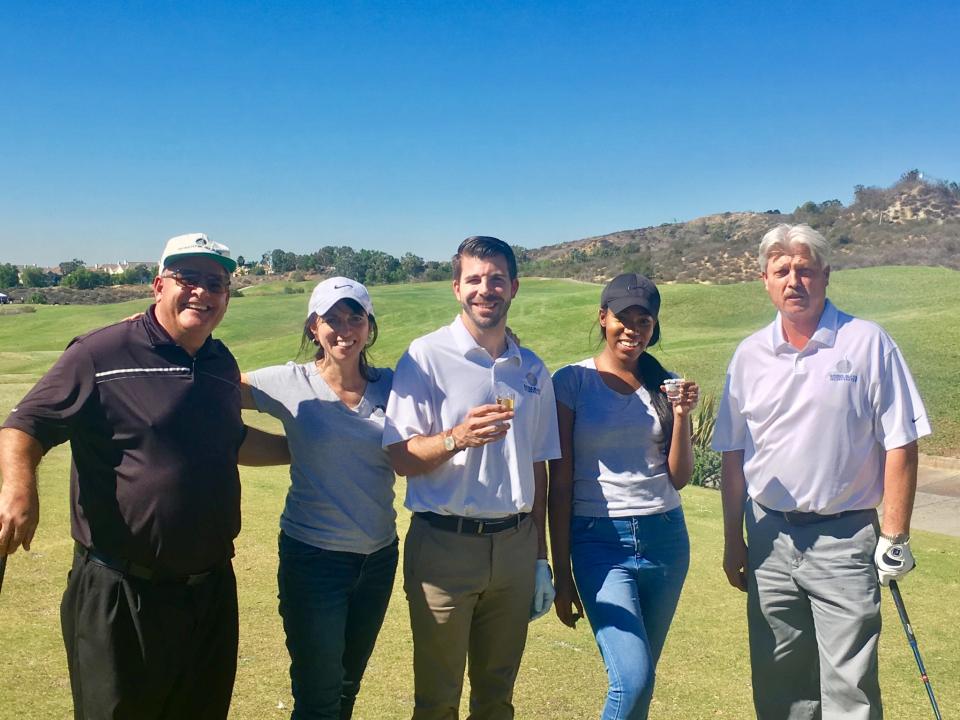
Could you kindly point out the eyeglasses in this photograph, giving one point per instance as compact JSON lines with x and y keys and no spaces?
{"x":191,"y":279}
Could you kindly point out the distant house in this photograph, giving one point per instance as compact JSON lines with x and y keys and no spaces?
{"x":120,"y":267}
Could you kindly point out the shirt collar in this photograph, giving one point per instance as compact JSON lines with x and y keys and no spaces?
{"x":159,"y":336}
{"x":825,"y":335}
{"x":467,"y":345}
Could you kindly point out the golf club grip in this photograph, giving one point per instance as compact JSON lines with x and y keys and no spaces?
{"x":902,"y":610}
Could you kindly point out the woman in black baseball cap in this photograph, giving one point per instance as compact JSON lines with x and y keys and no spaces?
{"x":614,"y":502}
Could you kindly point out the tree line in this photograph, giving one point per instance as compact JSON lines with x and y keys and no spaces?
{"x":73,"y":274}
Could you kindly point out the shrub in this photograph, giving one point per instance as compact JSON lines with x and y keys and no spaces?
{"x":38,"y":298}
{"x":290,"y":290}
{"x":706,"y":460}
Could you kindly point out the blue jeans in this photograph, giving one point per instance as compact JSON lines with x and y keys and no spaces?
{"x":332,"y":604}
{"x":629,"y":573}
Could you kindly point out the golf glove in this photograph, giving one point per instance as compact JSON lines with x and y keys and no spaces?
{"x":543,"y":593}
{"x":894,"y":560}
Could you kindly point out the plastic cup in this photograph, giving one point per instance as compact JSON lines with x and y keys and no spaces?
{"x":673,"y":386}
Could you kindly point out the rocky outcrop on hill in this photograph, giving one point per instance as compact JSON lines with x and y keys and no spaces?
{"x":914,"y":222}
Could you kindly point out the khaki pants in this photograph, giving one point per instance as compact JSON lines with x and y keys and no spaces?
{"x":469,"y":595}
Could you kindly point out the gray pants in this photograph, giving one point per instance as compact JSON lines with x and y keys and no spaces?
{"x":813,"y":612}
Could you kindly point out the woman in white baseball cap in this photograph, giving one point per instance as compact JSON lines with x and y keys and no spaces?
{"x":338,"y":537}
{"x":614,"y":506}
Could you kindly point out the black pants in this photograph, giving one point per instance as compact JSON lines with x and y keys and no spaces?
{"x":149,"y":651}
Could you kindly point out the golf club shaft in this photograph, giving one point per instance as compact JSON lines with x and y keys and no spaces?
{"x":912,"y":639}
{"x":3,"y":569}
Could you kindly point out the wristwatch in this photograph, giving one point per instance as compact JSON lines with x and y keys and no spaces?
{"x":449,"y":444}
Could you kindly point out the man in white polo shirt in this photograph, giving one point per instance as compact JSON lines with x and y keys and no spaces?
{"x":471,"y":421}
{"x":818,"y":425}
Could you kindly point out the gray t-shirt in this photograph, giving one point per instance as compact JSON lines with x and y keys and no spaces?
{"x":341,"y":481}
{"x":619,"y":463}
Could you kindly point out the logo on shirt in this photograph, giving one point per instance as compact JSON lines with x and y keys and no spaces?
{"x":530,"y":381}
{"x":842,"y":372}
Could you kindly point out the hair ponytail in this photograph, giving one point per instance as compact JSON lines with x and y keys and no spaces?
{"x":652,"y":374}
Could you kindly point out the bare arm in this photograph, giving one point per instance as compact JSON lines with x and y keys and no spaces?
{"x":561,"y":509}
{"x":680,"y":462}
{"x":262,"y":448}
{"x":20,"y":455}
{"x":733,"y":494}
{"x":246,"y":393}
{"x":899,"y":489}
{"x":421,"y":454}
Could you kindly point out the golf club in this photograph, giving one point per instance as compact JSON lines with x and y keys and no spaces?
{"x":912,"y":639}
{"x":3,"y":569}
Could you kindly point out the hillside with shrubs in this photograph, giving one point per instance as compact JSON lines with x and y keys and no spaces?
{"x":915,"y":221}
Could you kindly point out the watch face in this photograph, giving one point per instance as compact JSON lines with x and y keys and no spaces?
{"x":448,"y":443}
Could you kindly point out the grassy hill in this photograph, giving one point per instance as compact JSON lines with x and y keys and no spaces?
{"x":702,"y":325}
{"x":704,"y":672}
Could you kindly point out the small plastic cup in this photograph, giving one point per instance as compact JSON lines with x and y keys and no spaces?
{"x":673,"y":386}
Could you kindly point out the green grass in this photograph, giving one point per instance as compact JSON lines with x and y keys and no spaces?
{"x":704,"y":672}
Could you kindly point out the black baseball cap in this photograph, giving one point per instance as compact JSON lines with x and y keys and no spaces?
{"x":628,"y":290}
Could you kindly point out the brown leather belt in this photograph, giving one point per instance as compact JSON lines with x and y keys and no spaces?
{"x":471,"y":526}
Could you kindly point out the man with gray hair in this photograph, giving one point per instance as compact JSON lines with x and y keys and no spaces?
{"x":818,"y":425}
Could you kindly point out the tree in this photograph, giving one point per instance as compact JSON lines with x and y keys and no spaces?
{"x":283,"y":261}
{"x":347,"y":264}
{"x":32,"y":276}
{"x":9,"y":277}
{"x":83,"y":279}
{"x":412,"y":265}
{"x":68,"y":266}
{"x":240,"y":261}
{"x":139,"y":275}
{"x":381,"y":267}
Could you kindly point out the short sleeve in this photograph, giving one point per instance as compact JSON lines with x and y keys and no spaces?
{"x":566,"y":386}
{"x":268,"y":385}
{"x":547,"y":444}
{"x":901,"y":415}
{"x":54,"y":405}
{"x":409,"y":411}
{"x":730,"y":432}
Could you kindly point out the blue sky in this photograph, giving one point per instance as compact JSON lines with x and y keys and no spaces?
{"x":407,"y":126}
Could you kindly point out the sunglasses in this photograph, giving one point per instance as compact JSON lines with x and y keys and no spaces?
{"x":192,"y":279}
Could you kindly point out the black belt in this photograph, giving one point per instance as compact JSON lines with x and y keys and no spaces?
{"x":141,"y":572}
{"x":796,"y":517}
{"x":471,"y":526}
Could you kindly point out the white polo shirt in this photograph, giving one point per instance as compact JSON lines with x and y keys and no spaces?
{"x":437,"y":381}
{"x":815,"y":424}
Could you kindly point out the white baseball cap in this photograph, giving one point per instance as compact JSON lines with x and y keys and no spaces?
{"x":332,"y":290}
{"x":196,"y":245}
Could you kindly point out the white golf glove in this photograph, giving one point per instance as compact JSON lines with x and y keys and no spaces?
{"x":894,"y":560}
{"x":543,"y":593}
